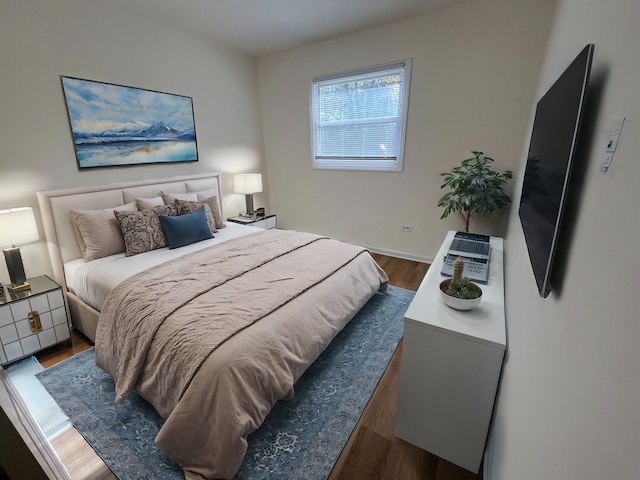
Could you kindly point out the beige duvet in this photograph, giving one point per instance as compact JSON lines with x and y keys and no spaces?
{"x":215,"y":339}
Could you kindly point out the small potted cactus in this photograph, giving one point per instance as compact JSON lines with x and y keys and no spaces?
{"x":459,"y":292}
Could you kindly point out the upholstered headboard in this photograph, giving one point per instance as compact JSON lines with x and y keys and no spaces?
{"x":55,"y":206}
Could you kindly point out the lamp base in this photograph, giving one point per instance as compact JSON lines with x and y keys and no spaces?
{"x":14,"y":266}
{"x":19,"y":288}
{"x":249,"y":202}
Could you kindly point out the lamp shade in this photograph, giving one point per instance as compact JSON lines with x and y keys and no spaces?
{"x":18,"y":226}
{"x":247,"y":183}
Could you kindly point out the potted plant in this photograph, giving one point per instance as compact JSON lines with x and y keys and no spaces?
{"x":459,"y":292}
{"x":475,"y":188}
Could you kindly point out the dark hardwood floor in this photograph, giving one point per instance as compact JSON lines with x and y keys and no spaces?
{"x":373,"y":452}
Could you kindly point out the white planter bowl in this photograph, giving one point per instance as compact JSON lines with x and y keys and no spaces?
{"x":459,"y":303}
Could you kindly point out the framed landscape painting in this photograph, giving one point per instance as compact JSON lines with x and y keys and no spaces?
{"x":113,"y":125}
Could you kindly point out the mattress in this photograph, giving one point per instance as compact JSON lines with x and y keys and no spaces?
{"x":92,"y":281}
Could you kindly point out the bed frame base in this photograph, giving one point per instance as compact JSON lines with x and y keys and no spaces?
{"x":83,"y":317}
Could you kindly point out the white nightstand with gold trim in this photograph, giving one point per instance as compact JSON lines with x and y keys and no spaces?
{"x":267,"y":221}
{"x":32,"y":320}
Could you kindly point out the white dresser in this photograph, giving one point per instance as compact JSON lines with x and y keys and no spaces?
{"x":451,"y":363}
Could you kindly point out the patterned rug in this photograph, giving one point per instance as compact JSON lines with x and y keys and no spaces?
{"x":301,"y":438}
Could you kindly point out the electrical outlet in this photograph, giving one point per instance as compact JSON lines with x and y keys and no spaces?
{"x":606,"y":162}
{"x":612,"y":143}
{"x":406,"y":228}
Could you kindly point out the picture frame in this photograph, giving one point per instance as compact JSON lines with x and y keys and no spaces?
{"x":114,"y":125}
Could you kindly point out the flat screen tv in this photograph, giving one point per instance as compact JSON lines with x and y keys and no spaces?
{"x":548,"y":169}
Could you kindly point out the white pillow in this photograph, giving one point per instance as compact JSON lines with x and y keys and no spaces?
{"x":148,"y":203}
{"x":169,"y":198}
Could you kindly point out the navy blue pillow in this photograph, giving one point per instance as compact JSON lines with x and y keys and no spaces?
{"x":185,"y":229}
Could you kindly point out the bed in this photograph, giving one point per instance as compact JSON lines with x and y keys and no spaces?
{"x":212,"y":333}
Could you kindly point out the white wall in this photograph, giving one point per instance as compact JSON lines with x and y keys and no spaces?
{"x":42,"y":40}
{"x":570,"y":394}
{"x":475,"y":68}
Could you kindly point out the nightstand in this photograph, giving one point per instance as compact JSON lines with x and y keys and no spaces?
{"x":32,"y":320}
{"x":267,"y":222}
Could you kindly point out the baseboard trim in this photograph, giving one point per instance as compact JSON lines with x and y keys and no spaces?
{"x":397,"y":254}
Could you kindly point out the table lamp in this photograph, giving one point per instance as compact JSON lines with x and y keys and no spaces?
{"x":17,"y":227}
{"x":248,"y":183}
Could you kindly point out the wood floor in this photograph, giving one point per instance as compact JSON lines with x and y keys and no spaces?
{"x":372,"y":452}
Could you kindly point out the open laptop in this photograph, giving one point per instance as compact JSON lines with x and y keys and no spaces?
{"x":470,"y":245}
{"x":475,"y":250}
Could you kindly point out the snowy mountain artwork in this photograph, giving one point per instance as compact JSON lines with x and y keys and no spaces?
{"x":113,"y":125}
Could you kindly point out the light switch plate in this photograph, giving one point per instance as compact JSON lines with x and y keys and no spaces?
{"x":616,"y":126}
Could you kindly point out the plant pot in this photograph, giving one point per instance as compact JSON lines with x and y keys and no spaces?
{"x":460,"y":303}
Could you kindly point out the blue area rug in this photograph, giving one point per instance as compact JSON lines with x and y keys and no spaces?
{"x":300,"y":439}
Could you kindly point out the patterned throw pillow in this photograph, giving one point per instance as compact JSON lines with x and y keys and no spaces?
{"x":142,"y":231}
{"x":210,"y":206}
{"x":166,"y":210}
{"x":213,"y":199}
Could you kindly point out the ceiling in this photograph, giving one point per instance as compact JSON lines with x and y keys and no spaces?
{"x":258,"y":27}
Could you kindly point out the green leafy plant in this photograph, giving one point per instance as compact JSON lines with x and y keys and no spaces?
{"x":475,"y":188}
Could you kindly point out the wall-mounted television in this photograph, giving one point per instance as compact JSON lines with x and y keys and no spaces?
{"x":548,"y":169}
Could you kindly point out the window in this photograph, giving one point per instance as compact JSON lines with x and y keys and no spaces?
{"x":358,"y":118}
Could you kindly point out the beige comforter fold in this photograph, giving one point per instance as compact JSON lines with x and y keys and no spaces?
{"x":162,"y":332}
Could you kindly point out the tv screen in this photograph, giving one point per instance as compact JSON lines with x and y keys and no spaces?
{"x":547,"y":173}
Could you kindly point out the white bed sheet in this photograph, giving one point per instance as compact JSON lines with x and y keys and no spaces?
{"x":92,"y":281}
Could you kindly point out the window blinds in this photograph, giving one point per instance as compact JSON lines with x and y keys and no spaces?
{"x":358,"y":118}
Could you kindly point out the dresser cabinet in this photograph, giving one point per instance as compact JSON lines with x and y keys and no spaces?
{"x":450,"y":366}
{"x":32,"y":320}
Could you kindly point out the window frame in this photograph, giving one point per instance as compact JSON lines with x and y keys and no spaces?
{"x":395,"y":164}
